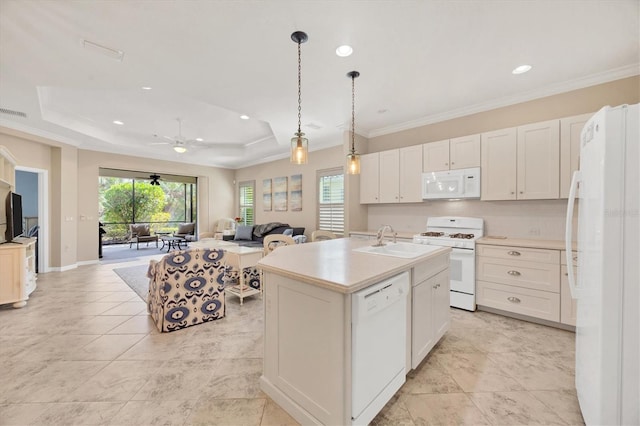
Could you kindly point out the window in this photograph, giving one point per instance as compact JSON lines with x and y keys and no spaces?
{"x":247,"y":202}
{"x":331,"y":200}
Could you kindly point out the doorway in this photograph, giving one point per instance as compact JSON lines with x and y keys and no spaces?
{"x":33,"y":185}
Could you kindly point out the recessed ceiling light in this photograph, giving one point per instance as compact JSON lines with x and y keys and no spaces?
{"x":344,"y":51}
{"x":199,"y":139}
{"x":244,"y":117}
{"x":521,"y":69}
{"x":146,"y":88}
{"x":118,"y":122}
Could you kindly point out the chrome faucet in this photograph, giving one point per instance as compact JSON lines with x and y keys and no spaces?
{"x":380,"y":235}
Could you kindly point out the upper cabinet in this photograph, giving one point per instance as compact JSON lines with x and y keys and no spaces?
{"x":392,"y":176}
{"x":451,"y":154}
{"x":521,"y":163}
{"x":498,"y":172}
{"x":570,"y":129}
{"x":369,"y":177}
{"x":7,"y":168}
{"x":539,"y":161}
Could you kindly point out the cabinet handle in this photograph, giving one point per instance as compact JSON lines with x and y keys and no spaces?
{"x":514,"y":273}
{"x":513,"y":253}
{"x":437,"y":286}
{"x":513,"y":299}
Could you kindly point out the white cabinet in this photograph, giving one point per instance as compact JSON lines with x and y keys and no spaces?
{"x":451,"y":154}
{"x":7,"y":182}
{"x":392,"y":176}
{"x":410,"y":172}
{"x":498,"y":165}
{"x":369,"y":176}
{"x":521,"y":280}
{"x":430,"y":315}
{"x":521,"y":163}
{"x":539,"y":161}
{"x":570,"y":129}
{"x":389,"y":176}
{"x":18,"y":277}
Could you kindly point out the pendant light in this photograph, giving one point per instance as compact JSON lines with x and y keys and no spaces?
{"x":353,"y":159}
{"x":299,"y":144}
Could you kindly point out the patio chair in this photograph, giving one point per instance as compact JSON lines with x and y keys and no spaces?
{"x":141,"y":233}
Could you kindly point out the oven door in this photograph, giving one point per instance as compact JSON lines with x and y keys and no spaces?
{"x":462,"y":270}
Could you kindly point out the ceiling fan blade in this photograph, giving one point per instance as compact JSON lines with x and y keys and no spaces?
{"x":160,"y":143}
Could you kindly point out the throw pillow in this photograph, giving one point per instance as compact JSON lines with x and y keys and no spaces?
{"x":288,"y":232}
{"x":243,"y":232}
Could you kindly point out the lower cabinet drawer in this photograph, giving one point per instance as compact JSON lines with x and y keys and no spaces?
{"x":534,"y":303}
{"x":531,"y":275}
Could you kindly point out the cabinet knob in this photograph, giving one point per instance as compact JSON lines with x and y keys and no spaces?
{"x":521,"y":192}
{"x":514,"y":273}
{"x":513,"y":253}
{"x":437,"y":286}
{"x":575,"y":258}
{"x":566,"y":274}
{"x":452,"y":163}
{"x":513,"y":299}
{"x":446,"y":164}
{"x":512,"y":192}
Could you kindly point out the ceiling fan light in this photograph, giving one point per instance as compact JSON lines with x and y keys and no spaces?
{"x":180,"y":149}
{"x":344,"y":51}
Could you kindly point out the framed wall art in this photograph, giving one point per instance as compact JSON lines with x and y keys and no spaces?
{"x":280,"y":194}
{"x":266,"y":195}
{"x":296,"y":193}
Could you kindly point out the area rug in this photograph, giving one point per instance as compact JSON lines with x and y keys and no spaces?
{"x":136,"y":278}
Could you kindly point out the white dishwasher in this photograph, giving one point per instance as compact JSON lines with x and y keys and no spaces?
{"x":378,"y":346}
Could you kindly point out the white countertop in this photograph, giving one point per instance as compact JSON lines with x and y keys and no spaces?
{"x":334,"y":265}
{"x":522,"y":242}
{"x":387,"y":235}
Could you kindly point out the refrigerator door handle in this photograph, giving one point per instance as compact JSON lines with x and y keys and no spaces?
{"x":568,"y":237}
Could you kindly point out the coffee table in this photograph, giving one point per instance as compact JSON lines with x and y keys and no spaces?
{"x":172,"y":242}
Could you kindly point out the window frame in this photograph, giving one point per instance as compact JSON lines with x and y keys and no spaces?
{"x":243,"y":217}
{"x":336,"y":226}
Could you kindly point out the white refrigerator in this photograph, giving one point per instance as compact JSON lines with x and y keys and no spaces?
{"x":607,"y":286}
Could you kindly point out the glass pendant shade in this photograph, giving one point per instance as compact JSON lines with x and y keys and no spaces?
{"x":299,"y":149}
{"x":180,"y":149}
{"x":353,"y":163}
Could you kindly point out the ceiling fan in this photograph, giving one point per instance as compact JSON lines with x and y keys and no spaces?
{"x":154,"y":179}
{"x":179,"y":143}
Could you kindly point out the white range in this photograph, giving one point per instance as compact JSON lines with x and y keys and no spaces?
{"x":459,"y":233}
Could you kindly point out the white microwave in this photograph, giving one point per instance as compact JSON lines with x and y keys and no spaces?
{"x":462,"y":183}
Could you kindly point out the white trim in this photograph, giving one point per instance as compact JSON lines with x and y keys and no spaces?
{"x":63,"y":268}
{"x":554,"y":89}
{"x":87,"y":262}
{"x":9,"y":124}
{"x":43,"y":216}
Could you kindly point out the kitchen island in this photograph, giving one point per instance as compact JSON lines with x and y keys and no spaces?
{"x":309,"y":351}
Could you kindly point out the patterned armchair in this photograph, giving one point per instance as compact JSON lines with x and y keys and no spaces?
{"x":186,"y":288}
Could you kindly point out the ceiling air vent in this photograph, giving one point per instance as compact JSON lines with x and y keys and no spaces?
{"x":12,"y":112}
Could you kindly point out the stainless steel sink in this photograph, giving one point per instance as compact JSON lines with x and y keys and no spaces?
{"x":406,"y":250}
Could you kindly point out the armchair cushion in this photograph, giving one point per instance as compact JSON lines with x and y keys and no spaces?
{"x":140,"y":230}
{"x":186,"y":288}
{"x":186,"y":228}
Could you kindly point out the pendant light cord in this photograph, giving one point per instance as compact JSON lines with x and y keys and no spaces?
{"x":353,"y":114}
{"x":299,"y":87}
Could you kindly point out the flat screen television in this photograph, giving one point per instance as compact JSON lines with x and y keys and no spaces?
{"x":14,"y":216}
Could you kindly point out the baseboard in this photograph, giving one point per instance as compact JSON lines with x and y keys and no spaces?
{"x":294,"y":410}
{"x":62,"y":268}
{"x":527,"y":318}
{"x":87,"y":262}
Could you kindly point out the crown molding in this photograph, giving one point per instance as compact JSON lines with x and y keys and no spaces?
{"x":47,"y":138}
{"x":554,"y":89}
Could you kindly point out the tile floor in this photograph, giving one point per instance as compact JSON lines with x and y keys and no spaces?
{"x":84,"y":352}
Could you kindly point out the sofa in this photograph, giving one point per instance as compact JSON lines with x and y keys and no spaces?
{"x":186,"y":288}
{"x":253,"y":235}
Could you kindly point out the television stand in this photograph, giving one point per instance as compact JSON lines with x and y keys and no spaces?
{"x":18,"y":278}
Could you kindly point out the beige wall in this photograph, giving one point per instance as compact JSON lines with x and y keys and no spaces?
{"x":526,"y":219}
{"x":318,"y":160}
{"x":215,"y":195}
{"x":576,"y":102}
{"x":73,"y":191}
